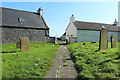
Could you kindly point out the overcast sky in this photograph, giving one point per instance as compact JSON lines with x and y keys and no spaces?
{"x":57,"y":14}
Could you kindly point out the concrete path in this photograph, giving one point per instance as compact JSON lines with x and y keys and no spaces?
{"x":63,"y":66}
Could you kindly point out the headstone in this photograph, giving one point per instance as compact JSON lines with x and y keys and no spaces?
{"x":24,"y":43}
{"x":113,"y":41}
{"x":56,"y":40}
{"x":71,"y":39}
{"x":103,"y":43}
{"x":18,"y":44}
{"x":67,"y":41}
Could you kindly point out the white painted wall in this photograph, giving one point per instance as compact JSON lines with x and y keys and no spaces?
{"x":71,"y":30}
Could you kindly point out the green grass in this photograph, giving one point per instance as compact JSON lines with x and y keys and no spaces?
{"x":29,"y":64}
{"x":92,"y":63}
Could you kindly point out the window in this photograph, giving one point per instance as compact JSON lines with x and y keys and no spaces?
{"x":21,"y":20}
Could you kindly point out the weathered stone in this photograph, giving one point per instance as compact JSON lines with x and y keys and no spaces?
{"x":113,"y":41}
{"x":56,"y":41}
{"x":12,"y":35}
{"x":24,"y":43}
{"x":70,"y":39}
{"x":18,"y":44}
{"x":103,"y":43}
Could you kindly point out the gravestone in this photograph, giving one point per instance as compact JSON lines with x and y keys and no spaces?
{"x":24,"y":43}
{"x":113,"y":41}
{"x":56,"y":41}
{"x":70,"y":39}
{"x":103,"y":43}
{"x":18,"y":44}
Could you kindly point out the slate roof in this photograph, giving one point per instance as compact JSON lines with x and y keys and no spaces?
{"x":63,"y":34}
{"x":80,"y":25}
{"x":11,"y":18}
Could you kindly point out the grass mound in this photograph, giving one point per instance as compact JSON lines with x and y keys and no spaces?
{"x":30,"y":64}
{"x":92,"y":63}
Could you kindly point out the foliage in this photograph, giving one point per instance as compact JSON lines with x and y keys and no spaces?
{"x":92,"y":63}
{"x":29,"y":64}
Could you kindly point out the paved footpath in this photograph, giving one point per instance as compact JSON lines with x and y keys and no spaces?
{"x":63,"y":67}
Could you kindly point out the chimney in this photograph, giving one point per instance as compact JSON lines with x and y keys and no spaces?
{"x":40,"y":11}
{"x":115,"y":23}
{"x":72,"y":19}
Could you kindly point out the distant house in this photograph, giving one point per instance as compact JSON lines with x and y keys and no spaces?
{"x":19,"y":23}
{"x":79,"y":31}
{"x":52,"y":40}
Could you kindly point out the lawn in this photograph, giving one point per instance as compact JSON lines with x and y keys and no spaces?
{"x":92,"y":63}
{"x":29,"y":64}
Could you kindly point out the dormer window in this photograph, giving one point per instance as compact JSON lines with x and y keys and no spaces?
{"x":21,"y":20}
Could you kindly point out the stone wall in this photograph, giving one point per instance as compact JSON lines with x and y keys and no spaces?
{"x":12,"y":35}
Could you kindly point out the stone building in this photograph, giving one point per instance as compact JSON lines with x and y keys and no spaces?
{"x":80,"y":31}
{"x":19,"y":23}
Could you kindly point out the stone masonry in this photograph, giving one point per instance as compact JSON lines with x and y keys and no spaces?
{"x":12,"y":35}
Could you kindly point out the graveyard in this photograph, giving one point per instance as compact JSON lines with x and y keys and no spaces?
{"x":34,"y":60}
{"x":86,"y":49}
{"x":33,"y":63}
{"x":92,"y":63}
{"x":84,"y":59}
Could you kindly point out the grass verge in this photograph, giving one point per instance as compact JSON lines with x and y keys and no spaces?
{"x":30,"y":64}
{"x":92,"y":63}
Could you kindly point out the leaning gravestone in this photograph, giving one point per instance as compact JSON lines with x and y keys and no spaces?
{"x":18,"y":44}
{"x":103,"y":43}
{"x":113,"y":41}
{"x":24,"y":43}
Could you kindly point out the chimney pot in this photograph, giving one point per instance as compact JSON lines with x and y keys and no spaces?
{"x":40,"y":11}
{"x":116,"y":23}
{"x":72,"y":19}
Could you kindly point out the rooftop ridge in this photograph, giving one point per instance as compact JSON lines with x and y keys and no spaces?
{"x":94,"y":23}
{"x":16,"y":10}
